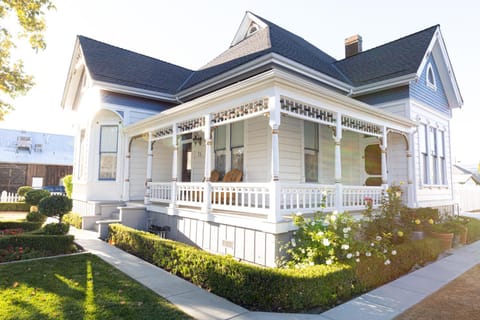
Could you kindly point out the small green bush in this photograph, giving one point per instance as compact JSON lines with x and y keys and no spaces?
{"x":68,"y":184}
{"x":56,"y":228}
{"x":21,"y":191}
{"x":33,"y":197}
{"x":73,"y":219}
{"x":48,"y":244}
{"x":14,"y":206}
{"x":36,"y":217}
{"x":473,"y":233}
{"x":254,"y":287}
{"x":25,"y":225}
{"x":55,"y":205}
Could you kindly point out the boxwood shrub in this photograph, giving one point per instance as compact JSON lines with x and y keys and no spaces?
{"x":73,"y":219}
{"x":14,"y":206}
{"x":25,"y":225}
{"x":254,"y":287}
{"x":50,"y":245}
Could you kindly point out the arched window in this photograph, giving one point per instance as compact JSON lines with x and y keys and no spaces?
{"x":252,"y":29}
{"x":431,"y":77}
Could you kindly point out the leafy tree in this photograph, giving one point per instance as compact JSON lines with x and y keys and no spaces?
{"x":30,"y":21}
{"x":67,"y":182}
{"x":55,"y":206}
{"x":33,"y":197}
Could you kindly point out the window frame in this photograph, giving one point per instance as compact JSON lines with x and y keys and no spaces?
{"x":108,"y":152}
{"x":432,"y":156}
{"x":431,"y":83}
{"x":311,"y":151}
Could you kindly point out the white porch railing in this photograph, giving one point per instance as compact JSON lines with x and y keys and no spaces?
{"x":256,"y":197}
{"x":10,"y":197}
{"x":356,"y":196}
{"x":306,"y":197}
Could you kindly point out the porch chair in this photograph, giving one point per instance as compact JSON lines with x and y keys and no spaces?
{"x":233,"y":175}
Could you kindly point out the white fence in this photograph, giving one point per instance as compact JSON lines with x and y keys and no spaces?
{"x":468,"y":197}
{"x":10,"y":197}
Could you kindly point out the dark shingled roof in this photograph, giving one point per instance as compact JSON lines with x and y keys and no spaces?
{"x":119,"y":66}
{"x":123,"y":67}
{"x":394,"y":59}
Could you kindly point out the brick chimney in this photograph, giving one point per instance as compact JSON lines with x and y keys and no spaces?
{"x":353,"y":45}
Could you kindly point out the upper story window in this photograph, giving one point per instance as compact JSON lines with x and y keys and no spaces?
{"x":108,"y":152}
{"x":252,"y":29}
{"x":431,"y":83}
{"x":433,"y":159}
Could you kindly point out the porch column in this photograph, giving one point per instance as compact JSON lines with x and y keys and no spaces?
{"x":383,"y":148}
{"x":126,"y":171}
{"x":338,"y":164}
{"x":208,"y":164}
{"x":173,"y":195}
{"x":149,"y":169}
{"x":274,"y":109}
{"x":410,"y":174}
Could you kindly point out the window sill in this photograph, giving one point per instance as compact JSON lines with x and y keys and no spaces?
{"x":435,"y":186}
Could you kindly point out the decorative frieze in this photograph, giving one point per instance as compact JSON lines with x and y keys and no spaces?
{"x":306,"y":110}
{"x":164,"y":132}
{"x":257,"y":106}
{"x":361,"y":126}
{"x":191,"y":125}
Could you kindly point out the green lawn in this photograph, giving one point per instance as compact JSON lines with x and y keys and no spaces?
{"x":76,"y":287}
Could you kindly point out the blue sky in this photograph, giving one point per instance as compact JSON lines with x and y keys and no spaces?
{"x":191,"y":33}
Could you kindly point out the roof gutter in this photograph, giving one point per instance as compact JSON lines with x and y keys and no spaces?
{"x":382,"y":85}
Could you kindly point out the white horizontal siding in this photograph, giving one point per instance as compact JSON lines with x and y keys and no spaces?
{"x":257,"y":155}
{"x":290,"y":141}
{"x":327,"y":156}
{"x":162,"y":162}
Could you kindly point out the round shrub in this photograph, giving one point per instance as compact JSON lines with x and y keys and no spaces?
{"x":55,"y":205}
{"x":36,"y":217}
{"x":56,"y":228}
{"x":33,"y":197}
{"x":21,"y":191}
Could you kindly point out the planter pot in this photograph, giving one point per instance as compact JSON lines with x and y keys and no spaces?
{"x":462,"y":237}
{"x":445,"y":238}
{"x":418,"y":235}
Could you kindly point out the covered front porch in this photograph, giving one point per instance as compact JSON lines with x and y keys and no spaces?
{"x":294,"y":156}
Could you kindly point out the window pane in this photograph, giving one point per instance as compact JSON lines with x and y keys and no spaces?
{"x":441,"y":143}
{"x":220,"y":160}
{"x":108,"y":166}
{"x":237,"y":158}
{"x":236,"y":134}
{"x":433,"y":170}
{"x":433,"y":141}
{"x":443,"y":174}
{"x":220,"y":137}
{"x":108,"y":138}
{"x":424,"y":160}
{"x":311,"y":166}
{"x":373,"y":159}
{"x":311,"y":135}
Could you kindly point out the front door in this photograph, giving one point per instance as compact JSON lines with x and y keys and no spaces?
{"x":186,"y":162}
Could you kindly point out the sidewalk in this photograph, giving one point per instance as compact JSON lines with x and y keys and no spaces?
{"x":383,"y":303}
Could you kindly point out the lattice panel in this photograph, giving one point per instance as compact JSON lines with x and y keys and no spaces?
{"x":240,"y":111}
{"x":306,"y":110}
{"x":163,"y":132}
{"x":191,"y":125}
{"x":361,"y":126}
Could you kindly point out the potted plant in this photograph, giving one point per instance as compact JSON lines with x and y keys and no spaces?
{"x":444,"y":232}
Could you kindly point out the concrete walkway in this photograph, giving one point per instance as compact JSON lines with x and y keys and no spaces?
{"x":383,"y":303}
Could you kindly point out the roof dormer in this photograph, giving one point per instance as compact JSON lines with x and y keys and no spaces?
{"x":249,"y":26}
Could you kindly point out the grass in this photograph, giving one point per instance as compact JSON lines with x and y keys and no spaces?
{"x":76,"y":287}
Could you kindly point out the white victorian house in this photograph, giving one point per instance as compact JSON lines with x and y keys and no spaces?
{"x":225,"y":154}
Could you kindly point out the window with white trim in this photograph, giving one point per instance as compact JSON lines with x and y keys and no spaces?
{"x":108,"y":152}
{"x":220,"y":148}
{"x":311,"y":146}
{"x":431,"y":83}
{"x":432,"y":155}
{"x":236,"y":145}
{"x":228,"y":147}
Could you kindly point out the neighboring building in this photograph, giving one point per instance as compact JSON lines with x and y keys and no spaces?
{"x":300,"y":126}
{"x":467,"y":188}
{"x":33,"y":158}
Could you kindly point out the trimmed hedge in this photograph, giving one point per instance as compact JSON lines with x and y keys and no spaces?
{"x":372,"y":272}
{"x":254,"y":287}
{"x":473,"y":233}
{"x":48,"y":244}
{"x":14,"y":206}
{"x":25,"y":225}
{"x":56,"y":228}
{"x":73,"y":219}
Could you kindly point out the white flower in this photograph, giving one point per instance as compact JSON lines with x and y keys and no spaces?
{"x":326,"y":242}
{"x":357,"y":260}
{"x":345,"y":246}
{"x":320,"y":233}
{"x":387,"y":262}
{"x":293,"y":243}
{"x":311,"y":263}
{"x":324,"y":193}
{"x":326,"y":223}
{"x":378,"y":238}
{"x":333,"y":218}
{"x":345,"y":235}
{"x":368,"y":254}
{"x":345,"y":230}
{"x":312,"y":222}
{"x":349,"y":255}
{"x":385,"y":250}
{"x":357,"y":254}
{"x":372,"y":244}
{"x":329,"y":261}
{"x":299,"y":213}
{"x":335,"y":212}
{"x":394,"y":252}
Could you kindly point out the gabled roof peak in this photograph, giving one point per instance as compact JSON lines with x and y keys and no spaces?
{"x":249,"y":25}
